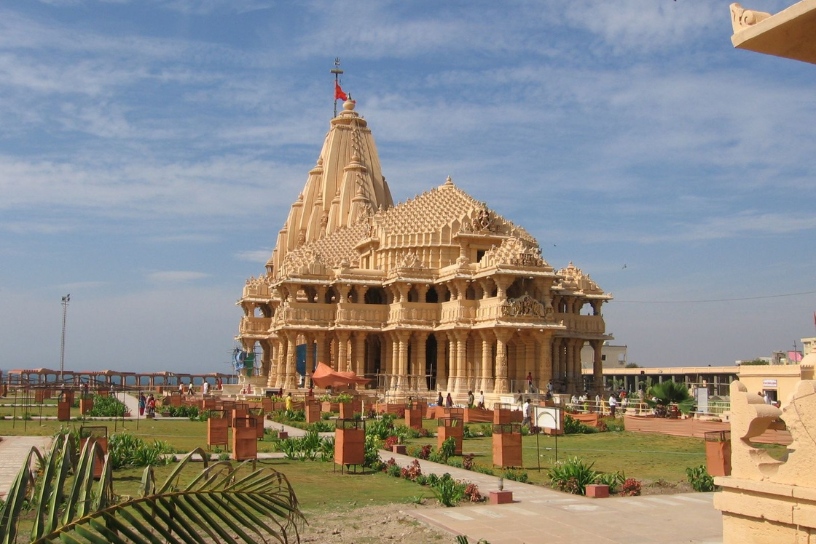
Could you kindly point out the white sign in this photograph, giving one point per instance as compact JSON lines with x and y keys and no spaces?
{"x":769,"y":383}
{"x":547,"y":417}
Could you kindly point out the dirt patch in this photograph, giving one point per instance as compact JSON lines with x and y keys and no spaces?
{"x":372,"y":524}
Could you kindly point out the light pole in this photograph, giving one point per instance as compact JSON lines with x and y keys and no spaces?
{"x":65,"y":300}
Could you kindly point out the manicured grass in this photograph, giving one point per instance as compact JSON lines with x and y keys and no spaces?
{"x":643,"y":456}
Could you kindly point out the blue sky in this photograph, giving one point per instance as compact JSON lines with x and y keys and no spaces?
{"x":150,"y":150}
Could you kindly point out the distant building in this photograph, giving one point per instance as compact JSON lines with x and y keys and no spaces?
{"x":611,"y":356}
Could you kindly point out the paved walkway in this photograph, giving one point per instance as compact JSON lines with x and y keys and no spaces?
{"x":540,"y":514}
{"x":13,"y":450}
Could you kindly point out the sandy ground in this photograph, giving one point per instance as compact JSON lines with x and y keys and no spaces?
{"x":372,"y":524}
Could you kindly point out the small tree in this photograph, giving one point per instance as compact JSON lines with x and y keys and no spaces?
{"x":661,"y":395}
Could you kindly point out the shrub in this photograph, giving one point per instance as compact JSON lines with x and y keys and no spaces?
{"x":447,"y":449}
{"x":106,"y":407}
{"x":486,"y":429}
{"x":126,"y":450}
{"x":467,"y":461}
{"x":425,"y":451}
{"x":392,"y":468}
{"x":630,"y":488}
{"x":372,"y":452}
{"x":412,"y":471}
{"x":472,"y":493}
{"x":572,"y":475}
{"x":614,"y":425}
{"x":700,"y":479}
{"x":516,"y":475}
{"x":381,"y":428}
{"x":573,"y":426}
{"x":448,"y":491}
{"x":612,"y":479}
{"x":467,"y":432}
{"x":391,"y":441}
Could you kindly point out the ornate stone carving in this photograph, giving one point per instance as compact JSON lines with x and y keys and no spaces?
{"x":743,"y":18}
{"x":523,"y":306}
{"x":409,"y":259}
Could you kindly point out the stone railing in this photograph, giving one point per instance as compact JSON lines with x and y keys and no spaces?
{"x":365,"y":315}
{"x":257,"y":289}
{"x":255,"y":325}
{"x":413,"y":312}
{"x":593,"y":324}
{"x":455,"y":311}
{"x":305,"y":313}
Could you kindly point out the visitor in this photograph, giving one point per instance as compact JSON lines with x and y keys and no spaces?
{"x":471,"y":399}
{"x":289,"y":402}
{"x":549,"y":387}
{"x":449,"y":401}
{"x":151,"y":406}
{"x":439,"y":399}
{"x":181,"y":387}
{"x":190,"y":389}
{"x":623,"y":404}
{"x":598,"y":402}
{"x":528,"y":410}
{"x":529,"y":382}
{"x":219,"y":384}
{"x":481,"y":400}
{"x":205,"y":388}
{"x":613,"y":404}
{"x":142,"y":403}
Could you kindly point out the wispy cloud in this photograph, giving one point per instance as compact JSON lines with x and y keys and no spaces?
{"x":176,"y":276}
{"x":255,"y":256}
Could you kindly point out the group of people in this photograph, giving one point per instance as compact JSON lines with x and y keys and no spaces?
{"x":147,"y":404}
{"x":615,"y":401}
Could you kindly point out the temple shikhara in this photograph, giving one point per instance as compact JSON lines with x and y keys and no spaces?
{"x":439,"y":293}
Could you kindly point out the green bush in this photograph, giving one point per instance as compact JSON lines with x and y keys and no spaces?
{"x":106,"y":407}
{"x":700,"y":479}
{"x":572,"y":475}
{"x":447,"y":450}
{"x":573,"y":426}
{"x":612,"y":479}
{"x":516,"y":475}
{"x":381,"y":428}
{"x":126,"y":450}
{"x":448,"y":491}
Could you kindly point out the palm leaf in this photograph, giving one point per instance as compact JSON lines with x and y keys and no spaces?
{"x":16,"y":498}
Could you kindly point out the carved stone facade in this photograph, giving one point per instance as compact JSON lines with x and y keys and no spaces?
{"x":437,"y":293}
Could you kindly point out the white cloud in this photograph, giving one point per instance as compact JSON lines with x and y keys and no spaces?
{"x":176,"y":276}
{"x":255,"y":256}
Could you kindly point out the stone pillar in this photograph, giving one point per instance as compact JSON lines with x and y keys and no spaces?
{"x":461,"y":361}
{"x":322,"y":351}
{"x":420,"y":340}
{"x":359,"y":352}
{"x":310,"y":357}
{"x":453,"y":367}
{"x":403,"y":382}
{"x":441,"y":363}
{"x":289,"y":380}
{"x":545,"y":363}
{"x":342,"y":351}
{"x":393,"y":368}
{"x":487,"y":360}
{"x":597,"y":365}
{"x":275,"y":377}
{"x":502,"y":383}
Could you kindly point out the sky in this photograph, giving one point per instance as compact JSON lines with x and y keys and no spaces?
{"x":150,"y":150}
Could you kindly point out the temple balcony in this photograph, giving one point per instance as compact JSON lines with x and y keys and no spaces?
{"x":413,"y":313}
{"x":255,"y":325}
{"x":591,"y":324}
{"x":308,"y":314}
{"x":361,"y":315}
{"x":458,"y":311}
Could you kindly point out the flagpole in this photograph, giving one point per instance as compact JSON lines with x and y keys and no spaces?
{"x":336,"y":71}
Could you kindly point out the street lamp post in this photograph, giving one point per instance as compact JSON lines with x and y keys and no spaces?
{"x":65,"y":300}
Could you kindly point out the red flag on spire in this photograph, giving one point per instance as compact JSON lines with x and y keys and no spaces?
{"x":338,"y":92}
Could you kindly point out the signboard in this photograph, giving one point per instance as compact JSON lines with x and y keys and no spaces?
{"x":769,"y":384}
{"x":547,"y":417}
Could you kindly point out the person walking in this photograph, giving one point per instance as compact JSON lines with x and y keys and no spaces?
{"x":529,"y":382}
{"x":142,"y":403}
{"x":289,"y":402}
{"x":528,"y":412}
{"x":481,"y":400}
{"x":449,"y":401}
{"x":439,"y":400}
{"x":613,"y":404}
{"x":471,"y":399}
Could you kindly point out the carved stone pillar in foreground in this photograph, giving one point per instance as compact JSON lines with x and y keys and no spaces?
{"x":597,"y":366}
{"x":289,"y":377}
{"x":766,"y":500}
{"x":487,"y":360}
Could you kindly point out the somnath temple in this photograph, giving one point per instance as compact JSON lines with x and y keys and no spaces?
{"x":439,"y":293}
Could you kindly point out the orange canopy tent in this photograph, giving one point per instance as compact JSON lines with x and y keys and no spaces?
{"x":326,"y":376}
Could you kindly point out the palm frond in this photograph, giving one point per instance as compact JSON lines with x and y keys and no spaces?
{"x":222,"y":503}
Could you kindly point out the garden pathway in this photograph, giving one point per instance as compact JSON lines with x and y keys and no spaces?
{"x":13,"y":450}
{"x":539,"y":514}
